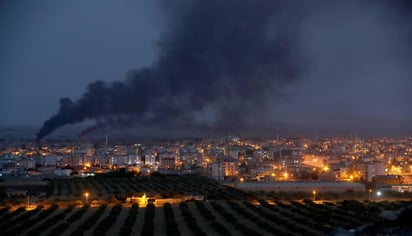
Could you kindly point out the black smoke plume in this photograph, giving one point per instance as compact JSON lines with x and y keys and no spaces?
{"x":219,"y":61}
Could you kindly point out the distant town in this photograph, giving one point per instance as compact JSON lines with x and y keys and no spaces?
{"x":206,"y":186}
{"x":377,"y":162}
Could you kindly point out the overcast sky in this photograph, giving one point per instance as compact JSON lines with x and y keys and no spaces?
{"x":357,"y":58}
{"x":52,"y":49}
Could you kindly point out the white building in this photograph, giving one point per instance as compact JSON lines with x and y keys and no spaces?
{"x":62,"y":172}
{"x":51,"y":160}
{"x":216,"y":171}
{"x":224,"y":169}
{"x":374,"y":169}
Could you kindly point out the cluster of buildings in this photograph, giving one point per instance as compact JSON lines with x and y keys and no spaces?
{"x":379,"y":161}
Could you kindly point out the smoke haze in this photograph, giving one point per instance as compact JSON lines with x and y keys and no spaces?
{"x":240,"y":64}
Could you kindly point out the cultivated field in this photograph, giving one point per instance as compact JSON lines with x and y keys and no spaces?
{"x":226,"y":211}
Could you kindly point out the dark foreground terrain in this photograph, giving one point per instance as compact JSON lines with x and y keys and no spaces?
{"x":224,"y":211}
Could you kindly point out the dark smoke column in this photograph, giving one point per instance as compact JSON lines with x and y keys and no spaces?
{"x":58,"y":120}
{"x":218,"y":59}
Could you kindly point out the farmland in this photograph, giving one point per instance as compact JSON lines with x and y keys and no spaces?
{"x":225,"y":211}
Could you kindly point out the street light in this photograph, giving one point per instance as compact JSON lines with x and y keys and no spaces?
{"x":314,"y":195}
{"x":87,"y":197}
{"x":378,"y":193}
{"x":369,"y":194}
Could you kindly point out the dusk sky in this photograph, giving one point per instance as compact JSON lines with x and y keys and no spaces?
{"x":50,"y":49}
{"x":332,"y":63}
